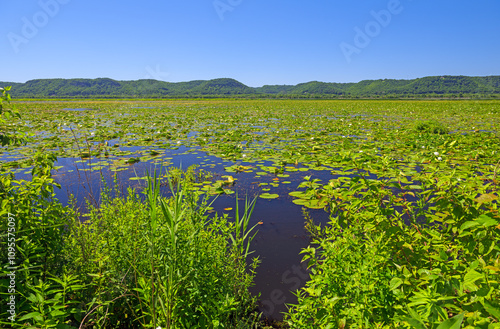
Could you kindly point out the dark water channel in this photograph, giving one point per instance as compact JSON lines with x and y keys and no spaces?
{"x":280,"y":237}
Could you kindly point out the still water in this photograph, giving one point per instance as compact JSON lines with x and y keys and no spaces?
{"x":279,"y":239}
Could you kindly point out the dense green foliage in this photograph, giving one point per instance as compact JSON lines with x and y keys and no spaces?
{"x":412,"y":189}
{"x":135,"y":262}
{"x":401,"y":255}
{"x":447,"y":86}
{"x":7,"y":116}
{"x":132,"y":263}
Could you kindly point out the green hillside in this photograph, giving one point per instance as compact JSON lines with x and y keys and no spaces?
{"x":438,"y":86}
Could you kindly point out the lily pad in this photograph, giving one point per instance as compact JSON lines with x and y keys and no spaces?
{"x":269,"y":196}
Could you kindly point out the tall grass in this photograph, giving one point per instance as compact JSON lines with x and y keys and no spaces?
{"x":163,"y":262}
{"x":136,"y":262}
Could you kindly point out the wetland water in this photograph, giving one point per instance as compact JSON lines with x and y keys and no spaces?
{"x":269,"y":147}
{"x":279,"y":240}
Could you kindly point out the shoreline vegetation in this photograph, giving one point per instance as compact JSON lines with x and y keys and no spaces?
{"x":413,"y":238}
{"x":438,"y":87}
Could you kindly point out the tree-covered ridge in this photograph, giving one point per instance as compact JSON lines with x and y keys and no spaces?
{"x":105,"y":87}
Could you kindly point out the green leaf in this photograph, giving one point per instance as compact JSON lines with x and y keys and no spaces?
{"x":269,"y":196}
{"x":452,"y":323}
{"x":470,"y":278}
{"x":57,"y":313}
{"x":413,"y":322}
{"x":494,"y":311}
{"x":486,"y":221}
{"x":415,"y":187}
{"x":395,"y":283}
{"x":298,"y":194}
{"x":36,"y":315}
{"x":137,"y":178}
{"x":468,"y":225}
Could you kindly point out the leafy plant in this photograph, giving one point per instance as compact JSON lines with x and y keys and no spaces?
{"x":163,"y":262}
{"x":431,"y":127}
{"x":384,"y":260}
{"x":7,"y":137}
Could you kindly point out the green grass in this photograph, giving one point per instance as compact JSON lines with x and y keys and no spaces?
{"x":132,"y":263}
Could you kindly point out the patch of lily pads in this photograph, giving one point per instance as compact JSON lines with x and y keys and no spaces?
{"x":394,"y":141}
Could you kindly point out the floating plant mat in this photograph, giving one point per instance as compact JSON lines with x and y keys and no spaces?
{"x":383,"y":137}
{"x":266,"y":138}
{"x":294,"y":154}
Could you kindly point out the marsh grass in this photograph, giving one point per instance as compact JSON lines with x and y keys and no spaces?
{"x":168,"y":264}
{"x":137,"y":262}
{"x":431,"y":127}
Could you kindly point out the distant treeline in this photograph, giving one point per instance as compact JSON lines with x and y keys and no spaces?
{"x":428,"y":87}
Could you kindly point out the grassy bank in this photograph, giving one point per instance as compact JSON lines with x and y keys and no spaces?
{"x":135,"y":262}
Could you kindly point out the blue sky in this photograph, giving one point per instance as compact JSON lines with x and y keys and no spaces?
{"x":256,"y":42}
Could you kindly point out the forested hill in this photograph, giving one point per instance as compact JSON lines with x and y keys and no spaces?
{"x":447,"y":86}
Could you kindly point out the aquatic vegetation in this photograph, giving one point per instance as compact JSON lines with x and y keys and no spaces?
{"x":431,"y":127}
{"x":138,"y":263}
{"x":411,"y":188}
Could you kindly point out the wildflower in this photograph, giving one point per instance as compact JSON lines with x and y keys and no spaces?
{"x":92,"y":134}
{"x":439,"y":159}
{"x":423,"y":147}
{"x":158,"y":132}
{"x":436,"y":153}
{"x":178,"y":142}
{"x":244,"y":155}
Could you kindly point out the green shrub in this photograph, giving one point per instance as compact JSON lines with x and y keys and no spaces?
{"x":163,"y":262}
{"x":385,"y":262}
{"x":44,"y":291}
{"x":431,"y":127}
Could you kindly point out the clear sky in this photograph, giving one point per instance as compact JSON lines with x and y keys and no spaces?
{"x":256,"y":42}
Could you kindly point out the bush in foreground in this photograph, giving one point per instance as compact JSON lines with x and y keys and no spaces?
{"x":386,"y":261}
